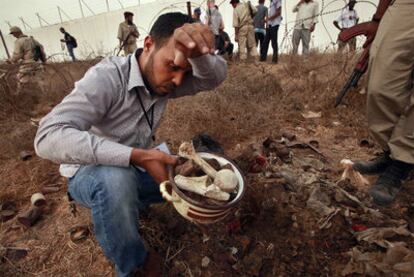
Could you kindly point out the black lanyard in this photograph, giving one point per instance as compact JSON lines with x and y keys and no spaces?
{"x":151,"y":110}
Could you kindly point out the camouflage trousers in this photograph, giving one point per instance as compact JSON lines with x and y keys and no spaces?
{"x":30,"y":73}
{"x":129,"y":48}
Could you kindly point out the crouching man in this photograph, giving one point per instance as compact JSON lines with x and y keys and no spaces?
{"x":105,"y":127}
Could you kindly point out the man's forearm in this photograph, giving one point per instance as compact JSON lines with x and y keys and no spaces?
{"x":63,"y":144}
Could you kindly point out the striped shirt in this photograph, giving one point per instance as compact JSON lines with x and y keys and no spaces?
{"x":101,"y":120}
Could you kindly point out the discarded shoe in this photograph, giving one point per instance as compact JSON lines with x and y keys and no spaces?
{"x":389,"y":182}
{"x":375,"y":166}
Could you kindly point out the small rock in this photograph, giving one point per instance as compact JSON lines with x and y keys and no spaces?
{"x":205,"y":262}
{"x":234,"y":250}
{"x":310,"y":114}
{"x":6,"y":215}
{"x":308,"y":163}
{"x":289,"y":136}
{"x":366,"y":143}
{"x":15,"y":254}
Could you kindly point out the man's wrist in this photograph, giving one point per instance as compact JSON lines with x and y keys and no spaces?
{"x":137,"y":156}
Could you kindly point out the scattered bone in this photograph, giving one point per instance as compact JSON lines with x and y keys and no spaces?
{"x":79,"y":233}
{"x":201,"y":186}
{"x":311,"y":115}
{"x":350,"y":173}
{"x":50,"y":189}
{"x":38,"y":199}
{"x":30,"y":217}
{"x":226,"y":180}
{"x":379,"y":235}
{"x":205,"y":262}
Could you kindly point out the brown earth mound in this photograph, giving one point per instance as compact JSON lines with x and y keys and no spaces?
{"x":295,"y":220}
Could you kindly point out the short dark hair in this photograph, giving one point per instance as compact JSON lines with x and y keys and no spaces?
{"x":261,"y":1}
{"x":62,"y":29}
{"x":165,"y":25}
{"x":126,"y":14}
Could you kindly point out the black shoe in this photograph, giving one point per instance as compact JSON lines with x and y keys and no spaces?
{"x":389,"y":182}
{"x":375,"y":166}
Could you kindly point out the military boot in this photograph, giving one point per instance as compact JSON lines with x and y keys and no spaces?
{"x":389,"y":182}
{"x":375,"y":166}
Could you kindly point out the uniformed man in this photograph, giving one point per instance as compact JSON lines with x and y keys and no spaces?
{"x":390,"y":106}
{"x":348,"y":18}
{"x":243,"y":15}
{"x":128,"y":34}
{"x":29,"y":53}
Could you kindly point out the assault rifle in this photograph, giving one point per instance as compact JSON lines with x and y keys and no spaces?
{"x":369,"y":29}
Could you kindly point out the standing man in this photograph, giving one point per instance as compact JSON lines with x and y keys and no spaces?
{"x":273,"y":22}
{"x":243,"y":15}
{"x":70,"y":42}
{"x":259,"y":21}
{"x":102,"y":132}
{"x":347,"y":19}
{"x":306,"y":19}
{"x":213,"y":19}
{"x":128,"y":34}
{"x":390,"y":106}
{"x":29,"y":53}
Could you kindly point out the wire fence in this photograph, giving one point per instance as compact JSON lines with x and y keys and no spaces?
{"x":89,"y":49}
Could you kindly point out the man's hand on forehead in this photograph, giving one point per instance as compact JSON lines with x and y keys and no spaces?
{"x":191,"y":41}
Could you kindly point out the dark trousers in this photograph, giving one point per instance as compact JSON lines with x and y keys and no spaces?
{"x":259,"y":39}
{"x":70,"y":50}
{"x":217,"y":41}
{"x":271,"y":35}
{"x":228,"y":50}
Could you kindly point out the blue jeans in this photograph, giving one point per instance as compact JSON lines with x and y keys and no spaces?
{"x":70,"y":50}
{"x":115,"y":196}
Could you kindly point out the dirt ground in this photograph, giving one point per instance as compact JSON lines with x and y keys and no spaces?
{"x":296,"y":218}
